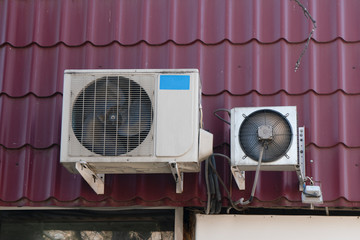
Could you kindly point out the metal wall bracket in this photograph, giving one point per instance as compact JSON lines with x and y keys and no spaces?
{"x":239,"y":177}
{"x":95,"y":180}
{"x":178,"y":177}
{"x":300,"y":169}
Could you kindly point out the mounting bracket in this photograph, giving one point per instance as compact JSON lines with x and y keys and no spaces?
{"x":178,"y":177}
{"x":239,"y":176}
{"x":300,"y":168}
{"x":95,"y":180}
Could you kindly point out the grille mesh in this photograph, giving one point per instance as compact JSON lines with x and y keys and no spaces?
{"x":112,"y":116}
{"x":274,"y":148}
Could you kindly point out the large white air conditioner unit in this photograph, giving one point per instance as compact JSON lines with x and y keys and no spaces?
{"x":273,"y":129}
{"x":132,"y":121}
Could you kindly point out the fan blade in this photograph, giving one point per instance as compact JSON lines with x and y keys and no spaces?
{"x":112,"y":116}
{"x":108,"y":95}
{"x":136,"y":119}
{"x":101,"y":138}
{"x":92,"y":129}
{"x":277,"y":143}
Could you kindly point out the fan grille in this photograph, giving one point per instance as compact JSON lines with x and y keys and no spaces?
{"x":276,"y":146}
{"x":112,"y":116}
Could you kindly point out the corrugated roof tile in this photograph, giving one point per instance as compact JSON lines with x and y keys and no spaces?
{"x":27,"y":173}
{"x":335,"y":169}
{"x":30,"y":120}
{"x":48,"y":23}
{"x":238,"y":69}
{"x":37,"y":176}
{"x":329,"y":119}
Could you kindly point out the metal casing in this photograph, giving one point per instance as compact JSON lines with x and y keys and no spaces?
{"x":288,"y":162}
{"x":174,"y":133}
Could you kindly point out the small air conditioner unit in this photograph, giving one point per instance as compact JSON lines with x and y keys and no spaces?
{"x":132,"y":121}
{"x":275,"y":130}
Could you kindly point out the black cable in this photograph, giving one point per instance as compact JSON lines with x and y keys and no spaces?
{"x":212,"y":187}
{"x":222,"y":110}
{"x":212,"y":191}
{"x":224,"y":156}
{"x":223,"y":184}
{"x":217,"y":189}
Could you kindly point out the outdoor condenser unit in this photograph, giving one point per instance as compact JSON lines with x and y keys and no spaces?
{"x":132,"y":121}
{"x":272,"y":131}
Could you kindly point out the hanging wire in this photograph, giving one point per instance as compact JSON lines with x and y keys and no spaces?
{"x":212,"y":186}
{"x":222,"y":110}
{"x":213,"y":167}
{"x":217,"y":205}
{"x":307,"y":15}
{"x":310,"y":179}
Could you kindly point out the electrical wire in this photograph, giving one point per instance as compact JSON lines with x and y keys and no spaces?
{"x":241,"y":201}
{"x":224,"y":156}
{"x":233,"y":205}
{"x":311,"y":183}
{"x":212,"y":191}
{"x":225,"y":188}
{"x":213,"y":205}
{"x":222,"y":110}
{"x":217,"y":204}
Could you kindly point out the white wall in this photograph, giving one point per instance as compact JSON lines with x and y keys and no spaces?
{"x":268,"y":227}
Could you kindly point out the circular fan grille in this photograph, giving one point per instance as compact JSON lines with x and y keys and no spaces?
{"x":265,"y":127}
{"x":112,"y":116}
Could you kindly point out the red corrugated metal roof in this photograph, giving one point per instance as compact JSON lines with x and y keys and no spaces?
{"x":236,"y":68}
{"x":183,"y":21}
{"x":330,"y":119}
{"x":246,"y":53}
{"x":35,"y":177}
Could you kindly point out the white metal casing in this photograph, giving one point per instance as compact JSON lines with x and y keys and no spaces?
{"x":245,"y":163}
{"x":174,"y":133}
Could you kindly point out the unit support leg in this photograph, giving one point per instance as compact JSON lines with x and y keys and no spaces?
{"x":178,"y":177}
{"x":239,"y":176}
{"x":95,"y":180}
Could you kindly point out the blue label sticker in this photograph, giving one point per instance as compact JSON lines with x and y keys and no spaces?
{"x":174,"y":82}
